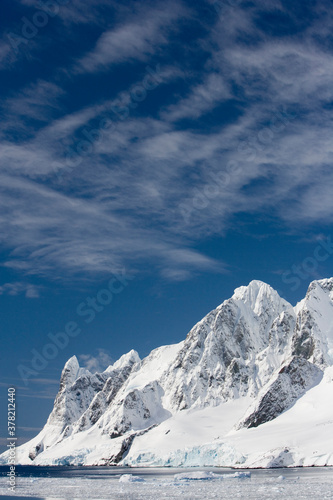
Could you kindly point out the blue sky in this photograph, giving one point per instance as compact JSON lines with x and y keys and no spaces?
{"x":185,"y":145}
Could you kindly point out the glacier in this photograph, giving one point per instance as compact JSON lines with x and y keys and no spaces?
{"x":251,"y":385}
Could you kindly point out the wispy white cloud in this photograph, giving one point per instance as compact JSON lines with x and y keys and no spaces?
{"x":125,"y":201}
{"x":134,"y":40}
{"x":35,"y":101}
{"x":46,"y":381}
{"x":16,"y":47}
{"x":39,"y":395}
{"x":75,"y":12}
{"x":203,"y":98}
{"x":96,"y":363}
{"x":16,"y":288}
{"x":78,"y":233}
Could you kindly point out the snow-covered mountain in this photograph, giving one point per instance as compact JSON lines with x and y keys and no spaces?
{"x":251,"y":385}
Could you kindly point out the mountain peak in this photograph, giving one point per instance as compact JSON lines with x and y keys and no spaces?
{"x":252,"y":290}
{"x":130,"y":357}
{"x":258,"y":295}
{"x":325,"y":284}
{"x":70,"y":371}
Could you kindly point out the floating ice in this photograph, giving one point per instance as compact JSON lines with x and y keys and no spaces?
{"x":130,"y":478}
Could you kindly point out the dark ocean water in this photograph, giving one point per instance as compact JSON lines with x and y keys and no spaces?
{"x":110,"y":472}
{"x":59,"y":471}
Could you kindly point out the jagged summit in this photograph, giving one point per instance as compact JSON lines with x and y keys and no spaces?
{"x":325,"y":284}
{"x":254,"y":290}
{"x":131,"y":357}
{"x":258,"y":295}
{"x":313,"y":337}
{"x":70,"y":371}
{"x":255,"y":362}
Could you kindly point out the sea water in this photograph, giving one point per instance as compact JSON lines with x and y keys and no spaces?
{"x":57,"y":482}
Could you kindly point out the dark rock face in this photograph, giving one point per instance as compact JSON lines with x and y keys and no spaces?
{"x":292,"y":381}
{"x":125,"y":446}
{"x":35,"y":451}
{"x":104,"y":396}
{"x":303,"y":341}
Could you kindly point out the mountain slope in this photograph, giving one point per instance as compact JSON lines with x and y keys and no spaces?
{"x":245,"y":367}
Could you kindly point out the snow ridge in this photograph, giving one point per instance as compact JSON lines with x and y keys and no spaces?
{"x":219,"y":397}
